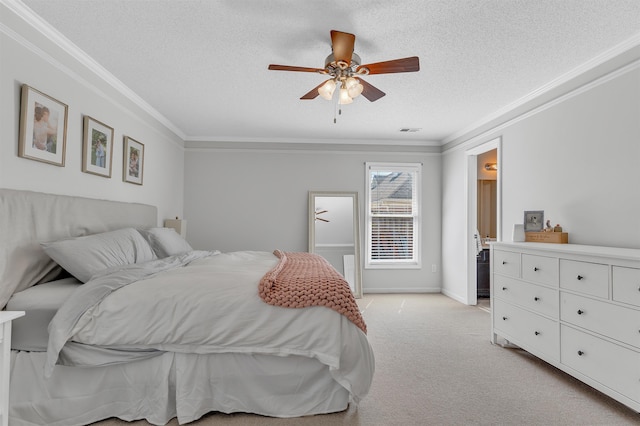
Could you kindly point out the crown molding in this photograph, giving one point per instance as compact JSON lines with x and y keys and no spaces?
{"x":44,"y":28}
{"x":556,"y":84}
{"x":492,"y":132}
{"x":317,"y":146}
{"x":310,"y":140}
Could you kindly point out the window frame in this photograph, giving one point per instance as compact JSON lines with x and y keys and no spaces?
{"x":416,"y":261}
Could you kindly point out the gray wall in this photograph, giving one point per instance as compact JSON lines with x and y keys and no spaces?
{"x":575,"y":156}
{"x":46,"y":64}
{"x":572,"y":152}
{"x":257,"y":199}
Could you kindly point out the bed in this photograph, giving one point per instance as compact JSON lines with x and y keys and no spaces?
{"x":129,"y":321}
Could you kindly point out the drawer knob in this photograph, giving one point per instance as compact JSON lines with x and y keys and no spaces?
{"x":580,"y":353}
{"x":535,"y":268}
{"x":537,"y":299}
{"x":504,"y":318}
{"x":504,"y":262}
{"x":537,"y":333}
{"x":580,"y":312}
{"x":504,"y":289}
{"x":579,"y":277}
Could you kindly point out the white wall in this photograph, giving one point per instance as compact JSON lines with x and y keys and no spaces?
{"x":575,"y":157}
{"x":29,"y":57}
{"x":256,"y":199}
{"x":574,"y":154}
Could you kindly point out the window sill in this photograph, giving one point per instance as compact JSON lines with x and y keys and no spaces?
{"x":393,"y":266}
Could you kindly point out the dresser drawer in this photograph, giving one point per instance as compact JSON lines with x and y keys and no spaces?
{"x":543,"y":300}
{"x":585,"y":277}
{"x":540,"y":269}
{"x":532,"y":332}
{"x":506,"y":263}
{"x":604,"y":318}
{"x":626,"y":285}
{"x":612,"y":365}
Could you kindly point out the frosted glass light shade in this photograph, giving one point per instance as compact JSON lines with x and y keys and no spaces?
{"x":327,"y":89}
{"x":354,"y":87}
{"x":344,"y":97}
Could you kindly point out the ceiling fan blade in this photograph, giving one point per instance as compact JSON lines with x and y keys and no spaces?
{"x":291,"y":68}
{"x":371,"y":92}
{"x":342,"y":45}
{"x":313,"y":93}
{"x":410,"y":64}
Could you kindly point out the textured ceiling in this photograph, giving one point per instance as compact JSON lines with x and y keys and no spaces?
{"x":203,"y":64}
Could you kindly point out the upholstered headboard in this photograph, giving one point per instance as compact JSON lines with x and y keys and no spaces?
{"x":28,"y":218}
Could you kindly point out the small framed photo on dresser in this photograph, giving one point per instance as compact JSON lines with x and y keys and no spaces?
{"x":533,"y":220}
{"x":133,"y":164}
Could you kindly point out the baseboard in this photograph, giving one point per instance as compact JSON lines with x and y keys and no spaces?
{"x":454,"y":296}
{"x":401,"y":290}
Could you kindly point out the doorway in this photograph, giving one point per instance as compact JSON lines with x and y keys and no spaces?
{"x":487,"y":194}
{"x":483,"y":214}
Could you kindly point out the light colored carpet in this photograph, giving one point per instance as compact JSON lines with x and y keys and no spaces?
{"x":436,"y":366}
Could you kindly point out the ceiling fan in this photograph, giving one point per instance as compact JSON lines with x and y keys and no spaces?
{"x":345,"y":69}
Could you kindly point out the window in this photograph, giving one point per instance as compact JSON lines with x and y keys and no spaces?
{"x":393,"y":215}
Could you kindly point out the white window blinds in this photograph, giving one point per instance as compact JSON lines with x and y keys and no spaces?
{"x":393,"y":213}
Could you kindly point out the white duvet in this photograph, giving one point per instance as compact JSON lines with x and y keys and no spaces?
{"x":203,"y":303}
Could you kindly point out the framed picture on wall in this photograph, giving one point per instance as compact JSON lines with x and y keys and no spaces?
{"x":43,"y":127}
{"x":133,"y":166}
{"x":533,"y":220}
{"x":97,"y":147}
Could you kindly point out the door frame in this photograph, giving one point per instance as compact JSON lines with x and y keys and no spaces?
{"x":472,"y":209}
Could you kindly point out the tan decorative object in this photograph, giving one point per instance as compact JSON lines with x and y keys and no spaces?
{"x":547,"y":237}
{"x":179,"y":225}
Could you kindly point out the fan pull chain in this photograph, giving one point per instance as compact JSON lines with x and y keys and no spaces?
{"x":338,"y":109}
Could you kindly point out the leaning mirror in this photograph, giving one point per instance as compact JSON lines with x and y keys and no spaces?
{"x":334,"y":233}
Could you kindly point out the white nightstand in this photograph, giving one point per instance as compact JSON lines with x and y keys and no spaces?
{"x":5,"y":358}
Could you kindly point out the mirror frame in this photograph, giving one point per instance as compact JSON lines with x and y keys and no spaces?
{"x":356,"y":230}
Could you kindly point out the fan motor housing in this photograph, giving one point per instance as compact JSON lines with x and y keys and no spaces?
{"x":330,"y":62}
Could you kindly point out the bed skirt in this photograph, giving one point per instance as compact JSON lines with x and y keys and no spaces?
{"x":186,"y":386}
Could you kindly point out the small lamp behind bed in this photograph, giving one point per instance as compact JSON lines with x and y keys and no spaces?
{"x":180,"y":226}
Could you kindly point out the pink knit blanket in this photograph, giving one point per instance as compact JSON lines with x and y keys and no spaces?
{"x":300,"y":280}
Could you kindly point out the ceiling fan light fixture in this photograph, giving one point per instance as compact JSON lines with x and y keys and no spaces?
{"x":354,"y":87}
{"x":344,"y":99}
{"x":343,"y":67}
{"x":327,"y":89}
{"x":491,"y":167}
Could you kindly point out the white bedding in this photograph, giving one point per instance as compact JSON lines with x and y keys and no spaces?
{"x":210,"y":305}
{"x":150,"y":383}
{"x":182,"y":386}
{"x":40,"y":303}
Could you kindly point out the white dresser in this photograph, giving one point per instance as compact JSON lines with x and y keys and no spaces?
{"x":5,"y":358}
{"x":576,"y":307}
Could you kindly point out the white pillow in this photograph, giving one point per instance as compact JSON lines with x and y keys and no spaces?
{"x":85,"y":256}
{"x":165,"y":241}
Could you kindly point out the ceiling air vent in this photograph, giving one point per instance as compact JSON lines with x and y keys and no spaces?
{"x":410,"y":130}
